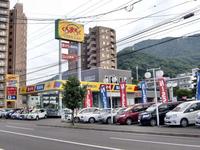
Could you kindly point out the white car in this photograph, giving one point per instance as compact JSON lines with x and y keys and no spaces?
{"x":90,"y":117}
{"x":66,"y":115}
{"x":106,"y":117}
{"x":184,"y":114}
{"x":197,"y":120}
{"x":37,"y":114}
{"x":79,"y":116}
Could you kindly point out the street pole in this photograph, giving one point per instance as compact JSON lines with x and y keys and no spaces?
{"x":155,"y":93}
{"x":111,"y":114}
{"x":137,"y":72}
{"x":79,"y":61}
{"x":60,"y":76}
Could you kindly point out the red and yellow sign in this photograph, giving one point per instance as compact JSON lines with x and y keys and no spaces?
{"x":58,"y":85}
{"x":69,"y":31}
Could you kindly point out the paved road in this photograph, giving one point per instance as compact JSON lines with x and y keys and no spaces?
{"x":26,"y":135}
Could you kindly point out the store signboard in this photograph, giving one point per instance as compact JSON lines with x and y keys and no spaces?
{"x":11,"y":93}
{"x":70,"y":31}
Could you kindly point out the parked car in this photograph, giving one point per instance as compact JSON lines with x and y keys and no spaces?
{"x":106,"y":117}
{"x":184,"y":114}
{"x":1,"y":111}
{"x":91,"y":117}
{"x":130,"y":115}
{"x":66,"y":115}
{"x":37,"y":114}
{"x":149,"y":117}
{"x":77,"y":116}
{"x":16,"y":114}
{"x":197,"y":120}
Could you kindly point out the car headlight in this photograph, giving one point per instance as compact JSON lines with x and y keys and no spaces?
{"x":122,"y":115}
{"x":174,"y":116}
{"x":146,"y":116}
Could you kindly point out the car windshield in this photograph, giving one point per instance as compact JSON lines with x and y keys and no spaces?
{"x":181,"y":107}
{"x":151,"y":108}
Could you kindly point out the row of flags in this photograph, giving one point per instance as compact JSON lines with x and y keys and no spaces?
{"x":88,"y":102}
{"x":163,"y":90}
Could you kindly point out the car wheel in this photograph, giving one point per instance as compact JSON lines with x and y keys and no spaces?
{"x":153,"y":122}
{"x":45,"y":116}
{"x":76,"y":119}
{"x":108,"y":121}
{"x":184,"y":123}
{"x":37,"y":118}
{"x":91,"y":120}
{"x":128,"y":121}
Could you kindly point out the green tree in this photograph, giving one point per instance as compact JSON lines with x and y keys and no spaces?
{"x":183,"y":92}
{"x":73,"y":95}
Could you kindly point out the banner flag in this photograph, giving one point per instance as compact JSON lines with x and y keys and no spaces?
{"x":144,"y":91}
{"x":104,"y":97}
{"x":88,"y":99}
{"x":123,"y":99}
{"x":198,"y":87}
{"x":163,"y":90}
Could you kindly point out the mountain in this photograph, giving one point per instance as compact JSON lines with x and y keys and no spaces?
{"x":173,"y":54}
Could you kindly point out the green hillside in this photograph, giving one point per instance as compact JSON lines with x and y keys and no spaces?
{"x":174,"y":55}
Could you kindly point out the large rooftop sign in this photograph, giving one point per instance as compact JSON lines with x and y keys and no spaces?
{"x":70,"y":31}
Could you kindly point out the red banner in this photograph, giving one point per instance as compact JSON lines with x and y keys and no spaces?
{"x":88,"y":99}
{"x":65,"y":45}
{"x":123,"y":99}
{"x":163,"y":90}
{"x":69,"y":56}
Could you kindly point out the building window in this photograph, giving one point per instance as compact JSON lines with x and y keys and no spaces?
{"x":104,"y":43}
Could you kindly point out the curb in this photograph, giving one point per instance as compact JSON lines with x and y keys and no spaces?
{"x":124,"y":131}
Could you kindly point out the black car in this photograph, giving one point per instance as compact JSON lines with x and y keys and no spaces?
{"x":149,"y":116}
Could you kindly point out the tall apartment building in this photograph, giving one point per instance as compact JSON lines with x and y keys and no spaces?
{"x":4,"y":21}
{"x":17,"y":48}
{"x":98,"y":50}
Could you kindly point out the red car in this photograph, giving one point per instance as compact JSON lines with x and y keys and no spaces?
{"x":131,"y":114}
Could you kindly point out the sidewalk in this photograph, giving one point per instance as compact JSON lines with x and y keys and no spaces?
{"x":162,"y":130}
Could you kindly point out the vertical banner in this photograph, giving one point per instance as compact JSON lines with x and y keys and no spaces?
{"x":104,"y":97}
{"x":198,"y":87}
{"x":163,"y":90}
{"x":88,"y":99}
{"x":144,"y":91}
{"x":123,"y":99}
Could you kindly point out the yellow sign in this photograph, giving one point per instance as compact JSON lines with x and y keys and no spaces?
{"x":12,"y":80}
{"x":69,"y":31}
{"x":58,"y":85}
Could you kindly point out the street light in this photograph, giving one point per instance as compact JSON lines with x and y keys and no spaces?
{"x":114,"y":80}
{"x":158,"y":73}
{"x":171,"y":85}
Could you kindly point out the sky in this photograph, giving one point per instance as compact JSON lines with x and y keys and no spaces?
{"x":137,"y":20}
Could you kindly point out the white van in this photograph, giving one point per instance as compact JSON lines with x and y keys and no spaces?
{"x":184,"y":114}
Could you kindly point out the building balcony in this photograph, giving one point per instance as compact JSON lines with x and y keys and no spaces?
{"x":2,"y":41}
{"x":2,"y":48}
{"x":3,"y":12}
{"x":4,"y":5}
{"x":2,"y":26}
{"x":93,"y":62}
{"x":92,"y":56}
{"x":91,"y":50}
{"x":3,"y":33}
{"x":3,"y":19}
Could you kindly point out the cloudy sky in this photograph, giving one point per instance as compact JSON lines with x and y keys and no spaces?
{"x":147,"y":19}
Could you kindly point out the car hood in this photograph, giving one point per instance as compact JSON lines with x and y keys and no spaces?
{"x":172,"y":113}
